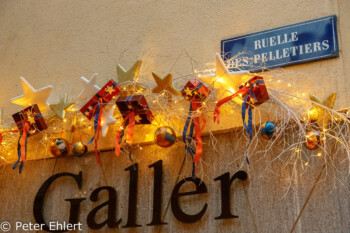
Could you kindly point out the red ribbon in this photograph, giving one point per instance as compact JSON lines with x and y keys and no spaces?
{"x":23,"y":140}
{"x":198,"y":132}
{"x":242,"y":91}
{"x":129,"y":132}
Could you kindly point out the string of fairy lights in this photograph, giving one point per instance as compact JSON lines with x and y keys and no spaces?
{"x":305,"y":128}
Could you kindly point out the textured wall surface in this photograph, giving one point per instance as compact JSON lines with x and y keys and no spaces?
{"x":267,"y":202}
{"x":55,"y":42}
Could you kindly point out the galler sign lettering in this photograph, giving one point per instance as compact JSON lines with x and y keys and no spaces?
{"x":112,"y":221}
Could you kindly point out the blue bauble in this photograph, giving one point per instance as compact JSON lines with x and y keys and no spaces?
{"x":268,"y":130}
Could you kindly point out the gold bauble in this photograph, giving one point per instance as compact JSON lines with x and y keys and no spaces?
{"x":79,"y":149}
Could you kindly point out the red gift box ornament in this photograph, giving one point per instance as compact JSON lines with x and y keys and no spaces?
{"x":254,"y":93}
{"x":94,"y":108}
{"x":29,"y":121}
{"x":104,"y":96}
{"x":135,"y":111}
{"x":196,"y":92}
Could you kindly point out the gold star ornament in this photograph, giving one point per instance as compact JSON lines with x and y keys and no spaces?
{"x":188,"y":91}
{"x":30,"y":116}
{"x":318,"y":112}
{"x":166,"y":85}
{"x":109,"y":89}
{"x":224,"y":81}
{"x":138,"y":118}
{"x":59,"y":110}
{"x":128,"y":79}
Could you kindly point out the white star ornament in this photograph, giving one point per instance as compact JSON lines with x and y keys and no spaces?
{"x":32,"y":96}
{"x":224,"y":81}
{"x":90,"y":88}
{"x":107,"y":119}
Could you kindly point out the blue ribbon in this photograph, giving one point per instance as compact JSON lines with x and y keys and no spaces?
{"x":19,"y":154}
{"x":38,"y":116}
{"x":97,"y":114}
{"x":248,"y":128}
{"x":122,"y":133}
{"x":188,"y":139}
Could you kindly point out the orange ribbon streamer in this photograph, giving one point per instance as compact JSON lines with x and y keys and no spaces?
{"x":23,"y":140}
{"x":198,"y":132}
{"x":242,"y":91}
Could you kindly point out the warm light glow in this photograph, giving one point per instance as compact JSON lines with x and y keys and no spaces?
{"x":219,"y":80}
{"x":231,"y":90}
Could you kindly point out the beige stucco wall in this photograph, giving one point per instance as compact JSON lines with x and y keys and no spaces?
{"x":268,"y":202}
{"x":55,"y":42}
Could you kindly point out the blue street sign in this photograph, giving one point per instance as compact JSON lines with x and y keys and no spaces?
{"x":298,"y":43}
